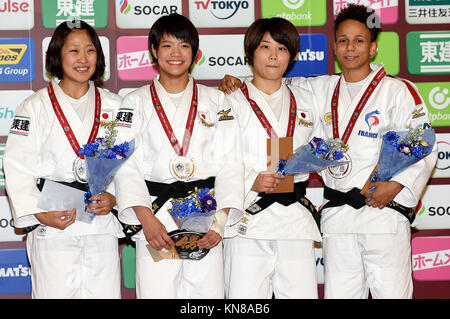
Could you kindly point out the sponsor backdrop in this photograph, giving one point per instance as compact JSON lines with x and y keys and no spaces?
{"x":414,"y":44}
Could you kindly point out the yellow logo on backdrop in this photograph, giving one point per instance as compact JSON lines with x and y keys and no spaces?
{"x":11,"y":54}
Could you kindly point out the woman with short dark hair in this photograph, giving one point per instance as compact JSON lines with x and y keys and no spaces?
{"x":270,"y":250}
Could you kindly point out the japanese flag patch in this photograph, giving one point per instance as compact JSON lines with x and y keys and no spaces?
{"x":106,"y":115}
{"x":20,"y":125}
{"x":304,"y":119}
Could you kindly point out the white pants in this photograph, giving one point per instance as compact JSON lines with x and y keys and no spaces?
{"x":178,"y":278}
{"x":256,"y":269}
{"x":357,"y":263}
{"x":76,"y":267}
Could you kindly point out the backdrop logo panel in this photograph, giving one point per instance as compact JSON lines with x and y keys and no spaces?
{"x":428,"y":52}
{"x":299,"y":12}
{"x":17,"y":60}
{"x":313,"y":56}
{"x":437,"y":98}
{"x":388,"y":53}
{"x":433,"y":211}
{"x":7,"y":230}
{"x":2,"y":172}
{"x":135,"y":14}
{"x":213,"y":62}
{"x":14,"y":272}
{"x":104,"y":42}
{"x":16,"y":15}
{"x":133,"y":59}
{"x":225,"y":14}
{"x":442,"y":168}
{"x":94,"y":12}
{"x":431,"y":258}
{"x":387,"y":10}
{"x":426,"y":12}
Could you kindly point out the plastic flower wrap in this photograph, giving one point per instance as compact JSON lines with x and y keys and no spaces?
{"x":103,"y":159}
{"x":402,"y":149}
{"x":314,"y":156}
{"x":195,"y":212}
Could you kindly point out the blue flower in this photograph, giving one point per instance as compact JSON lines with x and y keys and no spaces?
{"x":199,"y":201}
{"x":391,"y":138}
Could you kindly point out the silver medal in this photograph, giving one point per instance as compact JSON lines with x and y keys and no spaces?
{"x":79,"y":170}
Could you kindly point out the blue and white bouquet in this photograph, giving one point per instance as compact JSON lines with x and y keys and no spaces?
{"x":400,"y":150}
{"x":194,"y":212}
{"x":314,"y":156}
{"x":103,"y":159}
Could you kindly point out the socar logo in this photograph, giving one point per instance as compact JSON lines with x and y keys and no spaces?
{"x":124,"y":6}
{"x":199,"y":59}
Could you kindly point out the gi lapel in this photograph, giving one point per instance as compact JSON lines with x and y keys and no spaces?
{"x":81,"y":129}
{"x":177,"y":115}
{"x":266,"y":109}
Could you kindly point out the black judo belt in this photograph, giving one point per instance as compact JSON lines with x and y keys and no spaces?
{"x":356,"y":200}
{"x":285,"y":199}
{"x":163,"y":192}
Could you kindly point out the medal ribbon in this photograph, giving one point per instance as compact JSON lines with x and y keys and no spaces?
{"x":166,"y":124}
{"x":65,"y":124}
{"x":361,"y":104}
{"x":262,"y":118}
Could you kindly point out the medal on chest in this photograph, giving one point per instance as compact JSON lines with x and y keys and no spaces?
{"x":181,"y":166}
{"x":79,"y":165}
{"x":344,"y":170}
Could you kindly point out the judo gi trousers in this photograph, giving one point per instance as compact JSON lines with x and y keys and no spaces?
{"x":179,"y":278}
{"x":355,"y":264}
{"x":77,"y":267}
{"x":257,"y":268}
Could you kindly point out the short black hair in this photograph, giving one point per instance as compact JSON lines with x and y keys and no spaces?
{"x":281,"y":30}
{"x":53,"y":64}
{"x":362,"y":14}
{"x":177,"y":26}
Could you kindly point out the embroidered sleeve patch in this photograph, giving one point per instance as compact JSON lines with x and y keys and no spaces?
{"x":124,"y":117}
{"x":20,"y":126}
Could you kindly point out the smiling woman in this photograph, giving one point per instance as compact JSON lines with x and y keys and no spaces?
{"x":42,"y":146}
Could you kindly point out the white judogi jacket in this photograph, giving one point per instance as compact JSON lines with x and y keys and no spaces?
{"x":41,"y":150}
{"x":391,"y":107}
{"x":276,"y":221}
{"x":215,"y":149}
